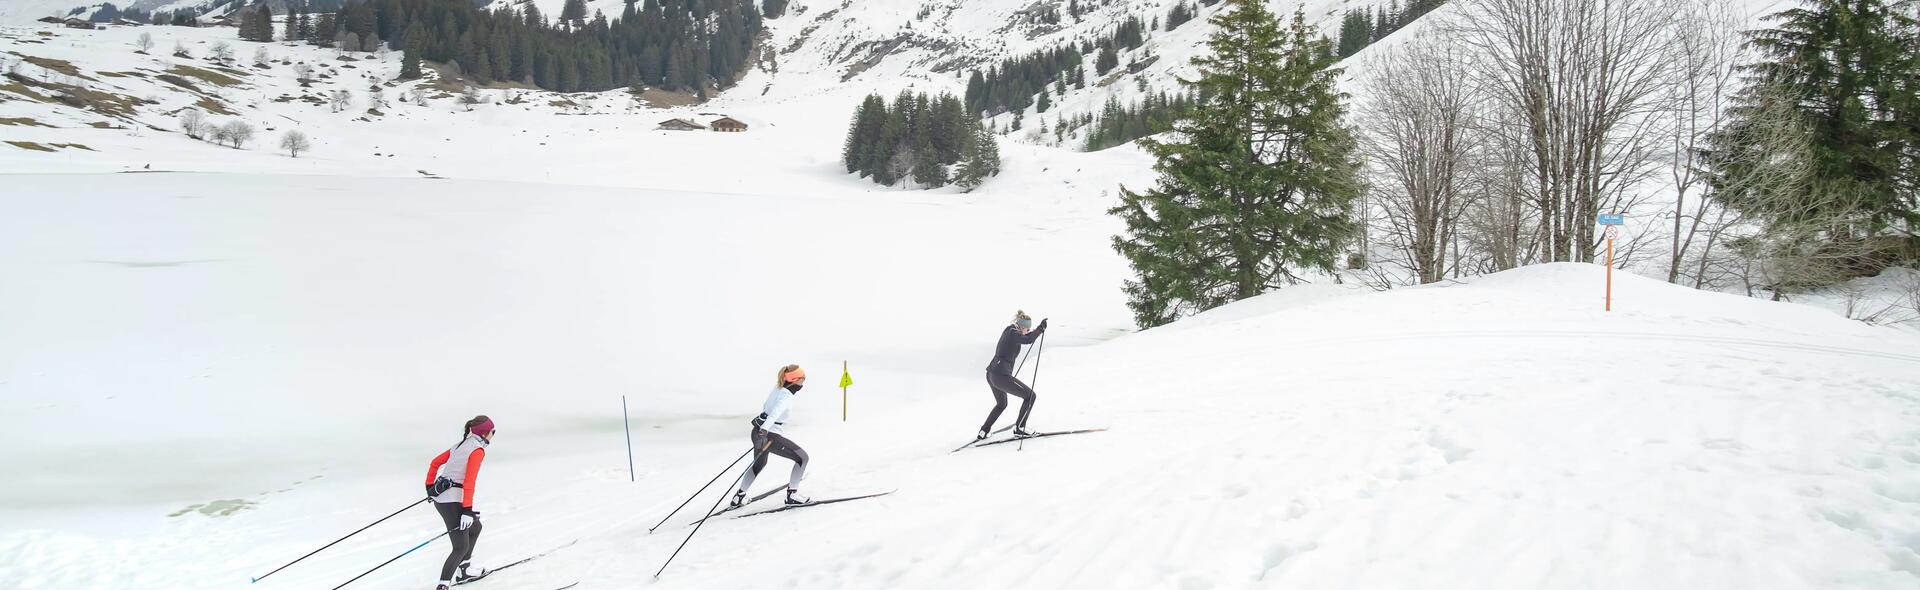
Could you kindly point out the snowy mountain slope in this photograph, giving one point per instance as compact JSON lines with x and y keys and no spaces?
{"x":22,"y":12}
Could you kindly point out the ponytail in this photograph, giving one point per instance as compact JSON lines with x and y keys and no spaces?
{"x":468,"y":428}
{"x":780,"y":379}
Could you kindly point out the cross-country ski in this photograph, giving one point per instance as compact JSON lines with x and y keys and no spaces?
{"x":1039,"y":435}
{"x":814,"y":503}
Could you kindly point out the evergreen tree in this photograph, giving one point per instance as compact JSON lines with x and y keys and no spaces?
{"x":1356,"y":32}
{"x":574,"y":12}
{"x":773,"y":8}
{"x":306,"y":25}
{"x":1107,"y":60}
{"x":324,"y":28}
{"x":926,"y":163}
{"x":860,"y":133}
{"x":1261,"y":181}
{"x":410,"y":58}
{"x":1848,"y":69}
{"x":293,"y":26}
{"x":1044,"y":102}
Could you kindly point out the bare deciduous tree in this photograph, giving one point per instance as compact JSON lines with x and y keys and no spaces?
{"x":1501,"y":217}
{"x":303,"y":73}
{"x":193,"y":123}
{"x":1582,"y":76}
{"x":260,"y":57}
{"x":180,"y":51}
{"x":1419,"y":133}
{"x":234,"y":133}
{"x":145,"y":42}
{"x":341,"y":100}
{"x":1707,"y":53}
{"x":221,"y":52}
{"x":295,"y":142}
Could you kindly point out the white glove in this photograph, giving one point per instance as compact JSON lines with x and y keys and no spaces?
{"x":466,"y":521}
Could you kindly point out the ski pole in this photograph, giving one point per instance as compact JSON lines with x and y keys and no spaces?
{"x":337,"y":541}
{"x":1037,"y":357}
{"x":696,"y":530}
{"x":629,"y":426}
{"x":696,"y":493}
{"x":1036,"y":379}
{"x":395,"y":558}
{"x":1023,"y":358}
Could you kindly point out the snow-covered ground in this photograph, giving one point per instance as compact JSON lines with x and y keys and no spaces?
{"x":214,"y":367}
{"x":300,"y":346}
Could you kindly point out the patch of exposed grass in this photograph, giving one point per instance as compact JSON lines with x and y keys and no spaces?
{"x":16,"y":87}
{"x":57,"y":65}
{"x":105,"y":103}
{"x":22,"y":122}
{"x":28,"y":145}
{"x":103,"y":125}
{"x":74,"y":145}
{"x":213,"y":106}
{"x":208,"y":76}
{"x":122,"y":74}
{"x":178,"y":81}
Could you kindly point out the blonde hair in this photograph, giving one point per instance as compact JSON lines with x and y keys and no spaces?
{"x":1021,"y":316}
{"x":780,"y":378}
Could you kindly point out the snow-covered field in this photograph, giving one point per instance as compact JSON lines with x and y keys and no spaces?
{"x":301,"y":345}
{"x":212,"y":368}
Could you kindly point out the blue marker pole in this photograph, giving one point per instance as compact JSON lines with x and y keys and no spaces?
{"x":629,"y":423}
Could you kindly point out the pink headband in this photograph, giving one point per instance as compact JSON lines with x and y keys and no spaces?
{"x":483,"y":428}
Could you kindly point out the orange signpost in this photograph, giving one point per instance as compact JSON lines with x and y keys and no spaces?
{"x":1611,"y":221}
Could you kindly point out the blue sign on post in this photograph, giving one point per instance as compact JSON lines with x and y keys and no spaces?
{"x":1613,"y":219}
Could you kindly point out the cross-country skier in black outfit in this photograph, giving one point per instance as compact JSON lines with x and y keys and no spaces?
{"x":767,"y":438}
{"x":1000,"y":373}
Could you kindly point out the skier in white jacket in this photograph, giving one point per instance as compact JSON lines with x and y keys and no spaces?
{"x":767,"y":439}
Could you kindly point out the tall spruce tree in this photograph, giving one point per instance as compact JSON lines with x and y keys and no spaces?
{"x":1850,"y":69}
{"x":1260,"y":181}
{"x":293,"y":25}
{"x":410,"y":58}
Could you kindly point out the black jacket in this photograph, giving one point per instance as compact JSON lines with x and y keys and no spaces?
{"x":1010,"y":342}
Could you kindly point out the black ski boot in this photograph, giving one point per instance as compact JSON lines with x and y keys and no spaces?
{"x":739,"y":499}
{"x":468,"y":573}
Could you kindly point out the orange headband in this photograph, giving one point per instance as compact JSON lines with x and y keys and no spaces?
{"x":794,"y":375}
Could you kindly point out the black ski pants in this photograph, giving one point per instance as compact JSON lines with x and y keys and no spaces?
{"x":770,"y":443}
{"x":1003,"y":384}
{"x":462,"y":540}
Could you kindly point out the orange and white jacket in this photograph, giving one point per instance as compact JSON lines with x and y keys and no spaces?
{"x":462,"y":465}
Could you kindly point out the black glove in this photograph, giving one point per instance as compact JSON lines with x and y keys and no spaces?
{"x":1043,"y":325}
{"x":430,"y":493}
